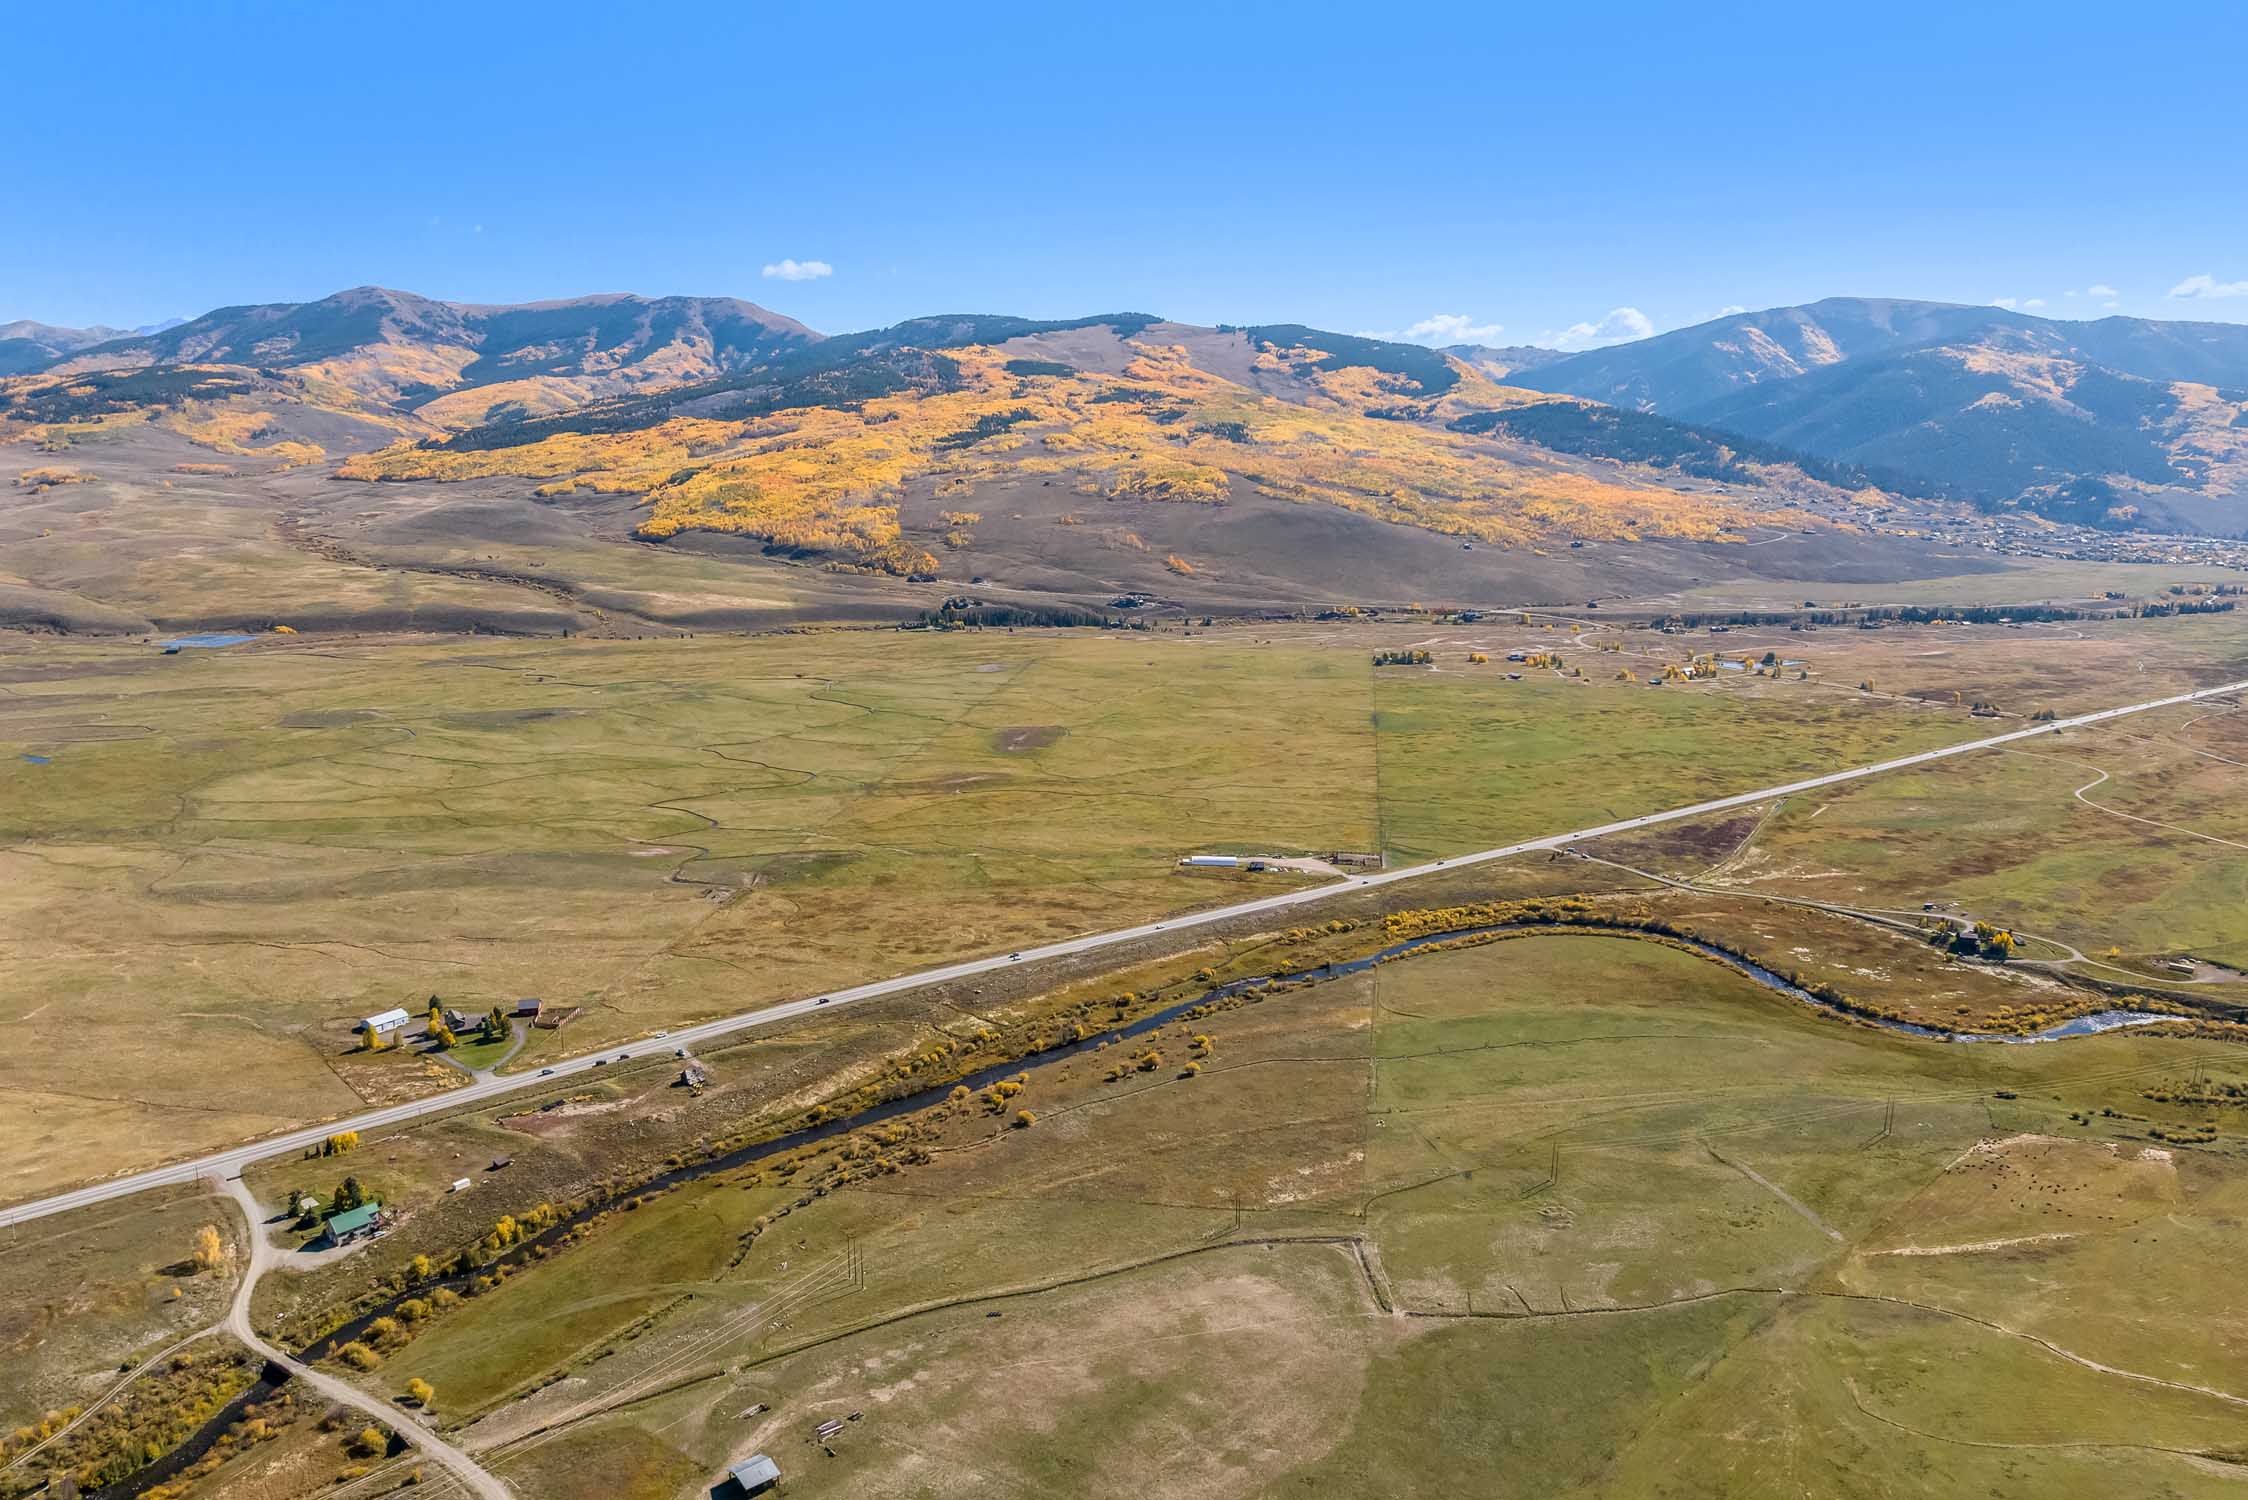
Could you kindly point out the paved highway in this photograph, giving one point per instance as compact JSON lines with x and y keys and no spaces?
{"x":225,"y":1164}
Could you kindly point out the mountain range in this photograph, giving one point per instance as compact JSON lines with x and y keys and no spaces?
{"x":872,"y":451}
{"x":450,"y":362}
{"x":2118,"y":423}
{"x":26,"y":346}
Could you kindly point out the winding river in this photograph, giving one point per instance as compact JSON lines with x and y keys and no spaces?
{"x":983,"y":1078}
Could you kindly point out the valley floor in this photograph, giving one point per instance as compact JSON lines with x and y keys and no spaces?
{"x":1530,"y":1217}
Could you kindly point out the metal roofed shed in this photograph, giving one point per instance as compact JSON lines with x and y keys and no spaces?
{"x":385,"y":1023}
{"x":1211,"y":861}
{"x":755,"y":1477}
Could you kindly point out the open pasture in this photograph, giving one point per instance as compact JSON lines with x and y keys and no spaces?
{"x":2130,"y":836}
{"x":215,"y":862}
{"x":1517,"y":1219}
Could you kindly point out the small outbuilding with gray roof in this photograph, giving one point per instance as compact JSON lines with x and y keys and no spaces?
{"x":756,"y":1477}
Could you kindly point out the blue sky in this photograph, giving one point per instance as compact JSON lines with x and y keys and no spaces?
{"x":1557,"y":172}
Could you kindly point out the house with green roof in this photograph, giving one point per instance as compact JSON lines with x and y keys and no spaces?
{"x":351,"y":1224}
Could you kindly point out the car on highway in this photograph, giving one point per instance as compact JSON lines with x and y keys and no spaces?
{"x":546,"y":1072}
{"x":1013,"y":956}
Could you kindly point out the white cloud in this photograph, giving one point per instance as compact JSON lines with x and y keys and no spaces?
{"x":2033,"y":304}
{"x":798,"y":270}
{"x":1438,"y":329}
{"x":1729,"y":309}
{"x":1620,"y":326}
{"x":2205,"y":285}
{"x":2101,"y":289}
{"x":1453,"y":328}
{"x":2008,"y":303}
